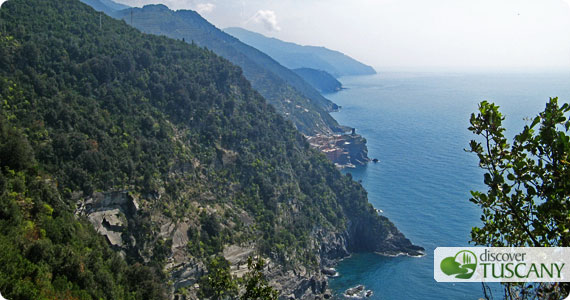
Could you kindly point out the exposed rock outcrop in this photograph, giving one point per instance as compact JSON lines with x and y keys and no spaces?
{"x":111,"y":212}
{"x":237,"y":256}
{"x":109,"y":223}
{"x":108,"y":213}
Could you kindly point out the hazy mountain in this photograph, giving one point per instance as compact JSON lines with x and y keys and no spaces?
{"x":283,"y":88}
{"x":295,"y":56}
{"x":106,"y":6}
{"x":321,"y":80}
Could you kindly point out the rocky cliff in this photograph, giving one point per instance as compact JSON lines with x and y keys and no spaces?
{"x":112,"y":212}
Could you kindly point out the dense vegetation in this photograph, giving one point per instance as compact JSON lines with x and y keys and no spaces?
{"x":220,"y":284}
{"x":528,"y":200}
{"x":292,"y":97}
{"x":295,"y":56}
{"x":45,"y":252}
{"x":92,"y":106}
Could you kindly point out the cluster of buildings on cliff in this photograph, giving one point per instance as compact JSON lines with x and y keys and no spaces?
{"x":346,"y":150}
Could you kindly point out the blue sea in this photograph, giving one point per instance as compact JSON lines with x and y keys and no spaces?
{"x":416,"y":126}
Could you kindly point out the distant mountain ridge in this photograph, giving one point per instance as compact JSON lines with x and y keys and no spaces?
{"x":294,"y":56}
{"x":106,"y":6}
{"x":292,"y":97}
{"x":321,"y":80}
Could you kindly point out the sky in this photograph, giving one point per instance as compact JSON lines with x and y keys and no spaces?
{"x":408,"y":34}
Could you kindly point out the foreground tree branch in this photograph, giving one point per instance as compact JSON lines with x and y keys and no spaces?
{"x":530,"y":206}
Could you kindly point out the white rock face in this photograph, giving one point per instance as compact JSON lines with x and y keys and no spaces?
{"x":237,"y":256}
{"x":107,"y":212}
{"x":109,"y":224}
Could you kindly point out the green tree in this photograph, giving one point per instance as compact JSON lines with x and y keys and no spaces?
{"x":528,"y":198}
{"x":218,"y":283}
{"x":256,"y":286}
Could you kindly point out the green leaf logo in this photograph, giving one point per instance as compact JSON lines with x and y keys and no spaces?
{"x":462,"y":265}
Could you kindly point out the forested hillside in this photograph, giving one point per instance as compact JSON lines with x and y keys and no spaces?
{"x":292,"y":97}
{"x":167,"y":143}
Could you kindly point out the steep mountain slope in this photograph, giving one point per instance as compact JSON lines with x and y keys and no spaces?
{"x":295,"y":56}
{"x":321,"y":80}
{"x":285,"y":90}
{"x":169,"y":153}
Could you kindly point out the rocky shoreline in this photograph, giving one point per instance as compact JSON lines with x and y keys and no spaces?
{"x":377,"y":235}
{"x":109,"y":212}
{"x":373,"y":233}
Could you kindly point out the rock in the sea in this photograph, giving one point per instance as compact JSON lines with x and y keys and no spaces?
{"x":355,"y":291}
{"x":329,"y":271}
{"x":358,"y":292}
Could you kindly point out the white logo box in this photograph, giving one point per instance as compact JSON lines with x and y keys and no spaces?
{"x":502,"y":264}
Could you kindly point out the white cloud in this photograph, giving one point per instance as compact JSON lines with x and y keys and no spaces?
{"x":567,"y":2}
{"x":268,"y":18}
{"x":204,"y":8}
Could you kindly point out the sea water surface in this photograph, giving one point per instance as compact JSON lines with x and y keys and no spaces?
{"x":416,"y":125}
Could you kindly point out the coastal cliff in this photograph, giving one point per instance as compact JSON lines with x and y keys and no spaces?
{"x":113,"y":213}
{"x":364,"y":234}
